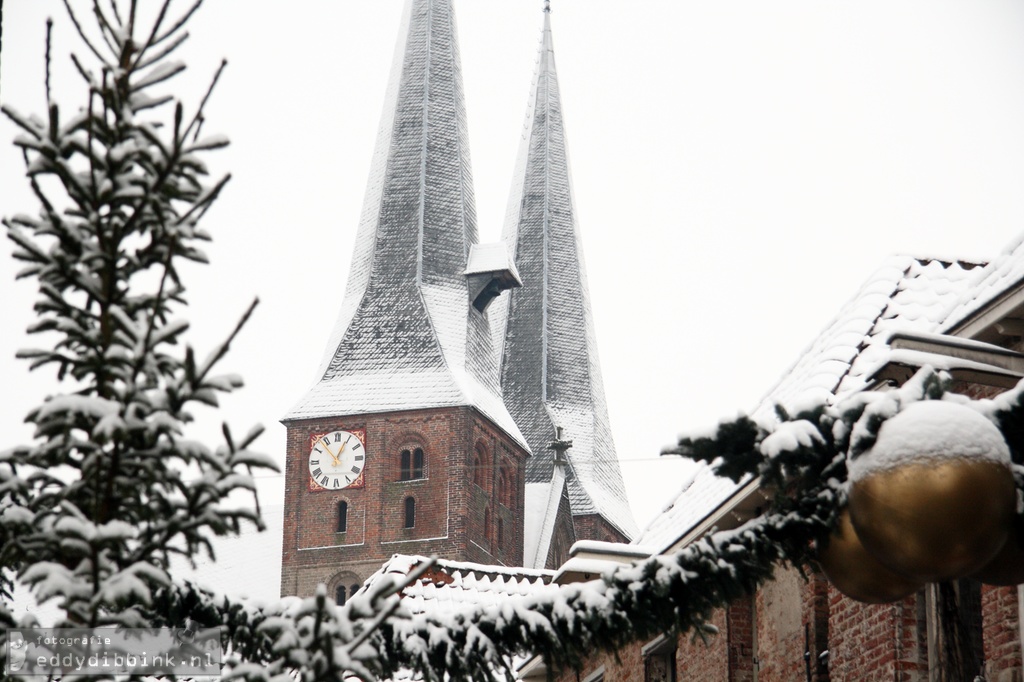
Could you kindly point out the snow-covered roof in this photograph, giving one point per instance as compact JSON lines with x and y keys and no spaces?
{"x":550,"y":372}
{"x":990,"y":283}
{"x":906,"y":294}
{"x":246,"y":566}
{"x":406,"y":326}
{"x":700,"y":495}
{"x":491,"y":257}
{"x":452,"y":586}
{"x":540,"y":508}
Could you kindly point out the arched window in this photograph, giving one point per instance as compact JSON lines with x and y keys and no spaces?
{"x":345,"y":585}
{"x":501,"y":532}
{"x":342,"y":518}
{"x":480,"y":466}
{"x":411,"y":464}
{"x":410,"y":512}
{"x":502,"y":485}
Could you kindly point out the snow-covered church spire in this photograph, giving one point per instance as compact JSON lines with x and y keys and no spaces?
{"x":408,"y":335}
{"x":550,"y":372}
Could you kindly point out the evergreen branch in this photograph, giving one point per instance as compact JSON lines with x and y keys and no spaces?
{"x":81,"y":32}
{"x":116,"y":13}
{"x":178,"y":24}
{"x":163,"y":53}
{"x":157,"y":23}
{"x":203,"y":203}
{"x":220,"y":351}
{"x":197,"y":118}
{"x":107,"y":30}
{"x":49,"y":41}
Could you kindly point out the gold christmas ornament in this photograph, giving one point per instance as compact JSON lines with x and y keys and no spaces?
{"x":857,"y":573}
{"x":1007,"y":568}
{"x":934,"y":498}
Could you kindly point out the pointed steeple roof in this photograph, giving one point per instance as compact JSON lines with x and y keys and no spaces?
{"x":551,"y":376}
{"x":407,"y":336}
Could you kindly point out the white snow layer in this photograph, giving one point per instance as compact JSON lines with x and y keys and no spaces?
{"x":929,"y":430}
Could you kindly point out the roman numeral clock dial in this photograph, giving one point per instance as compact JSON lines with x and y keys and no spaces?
{"x":336,"y":461}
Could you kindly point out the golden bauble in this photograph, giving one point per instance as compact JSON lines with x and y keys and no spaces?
{"x":1007,"y":568}
{"x":857,"y":573}
{"x":934,"y":521}
{"x":934,"y":498}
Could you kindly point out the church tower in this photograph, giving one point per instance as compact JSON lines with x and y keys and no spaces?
{"x":550,"y":374}
{"x":404,"y":444}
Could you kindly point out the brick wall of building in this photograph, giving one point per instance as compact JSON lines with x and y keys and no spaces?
{"x":450,"y":507}
{"x":741,"y":641}
{"x":594,"y":527}
{"x":705,"y":659}
{"x":629,"y":667}
{"x":1001,"y":623}
{"x":872,"y":643}
{"x":792,"y":627}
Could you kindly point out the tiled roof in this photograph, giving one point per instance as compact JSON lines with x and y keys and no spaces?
{"x":550,"y":372}
{"x":700,"y":495}
{"x":1003,"y":273}
{"x":247,"y":565}
{"x":906,"y":294}
{"x":406,"y":326}
{"x":452,"y":586}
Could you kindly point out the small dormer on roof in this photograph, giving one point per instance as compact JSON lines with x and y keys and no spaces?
{"x":490,"y":271}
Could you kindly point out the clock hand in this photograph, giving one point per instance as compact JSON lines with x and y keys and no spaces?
{"x":343,"y":445}
{"x":334,"y":458}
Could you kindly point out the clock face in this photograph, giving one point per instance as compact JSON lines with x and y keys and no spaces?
{"x":336,"y":460}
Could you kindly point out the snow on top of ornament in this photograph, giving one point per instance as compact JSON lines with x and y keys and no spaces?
{"x":929,"y":430}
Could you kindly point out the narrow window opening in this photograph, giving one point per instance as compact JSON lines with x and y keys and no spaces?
{"x":417,"y":463}
{"x":339,"y":595}
{"x":410,"y":512}
{"x":342,"y":517}
{"x":501,"y":532}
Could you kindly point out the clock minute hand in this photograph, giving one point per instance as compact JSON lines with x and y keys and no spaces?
{"x":334,"y":458}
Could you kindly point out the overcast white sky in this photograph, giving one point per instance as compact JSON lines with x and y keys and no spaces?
{"x":740,"y":168}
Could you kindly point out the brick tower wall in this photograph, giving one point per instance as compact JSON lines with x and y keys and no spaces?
{"x":450,"y":507}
